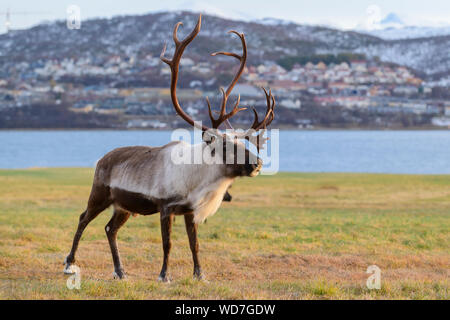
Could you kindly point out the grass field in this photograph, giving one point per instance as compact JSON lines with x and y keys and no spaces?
{"x":291,"y":236}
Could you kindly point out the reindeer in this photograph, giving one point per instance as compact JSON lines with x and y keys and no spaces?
{"x":144,"y":180}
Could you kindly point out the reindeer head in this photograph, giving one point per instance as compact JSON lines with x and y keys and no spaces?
{"x":225,"y":146}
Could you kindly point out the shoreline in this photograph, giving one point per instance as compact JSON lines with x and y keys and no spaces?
{"x":190,"y":129}
{"x":283,"y":173}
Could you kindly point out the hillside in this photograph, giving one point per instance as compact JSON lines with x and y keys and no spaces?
{"x":143,"y":34}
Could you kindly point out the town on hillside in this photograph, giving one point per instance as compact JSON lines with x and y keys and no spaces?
{"x":342,"y":91}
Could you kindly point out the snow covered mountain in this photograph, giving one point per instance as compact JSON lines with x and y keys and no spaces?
{"x":206,"y":7}
{"x":392,"y":27}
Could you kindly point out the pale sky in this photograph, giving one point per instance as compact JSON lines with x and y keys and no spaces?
{"x":345,"y":14}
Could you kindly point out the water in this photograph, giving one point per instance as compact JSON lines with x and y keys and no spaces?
{"x":411,"y":152}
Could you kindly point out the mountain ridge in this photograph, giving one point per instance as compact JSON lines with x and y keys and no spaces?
{"x":139,"y":34}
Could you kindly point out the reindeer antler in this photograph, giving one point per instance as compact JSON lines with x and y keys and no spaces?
{"x":270,"y":114}
{"x":258,"y":125}
{"x":223,"y":116}
{"x":174,"y":65}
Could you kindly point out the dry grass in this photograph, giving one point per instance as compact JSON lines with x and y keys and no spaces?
{"x":292,"y":236}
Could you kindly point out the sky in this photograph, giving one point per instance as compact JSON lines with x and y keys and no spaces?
{"x":347,"y":14}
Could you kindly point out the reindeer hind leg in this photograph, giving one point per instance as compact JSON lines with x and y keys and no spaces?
{"x":118,"y":220}
{"x":99,"y":200}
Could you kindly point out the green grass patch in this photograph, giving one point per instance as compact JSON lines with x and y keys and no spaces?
{"x":289,"y":236}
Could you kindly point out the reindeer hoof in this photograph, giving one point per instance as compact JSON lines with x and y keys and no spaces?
{"x":200,"y":277}
{"x":71,"y":269}
{"x":165,"y":279}
{"x":119,"y":275}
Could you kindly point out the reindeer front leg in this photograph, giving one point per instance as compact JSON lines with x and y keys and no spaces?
{"x":166,"y":228}
{"x":191,"y":229}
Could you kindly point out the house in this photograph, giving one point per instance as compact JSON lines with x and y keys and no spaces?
{"x":321,"y":66}
{"x":246,"y":90}
{"x":342,"y":67}
{"x":441,"y":122}
{"x":304,"y":123}
{"x":112,"y":103}
{"x":291,"y":104}
{"x":83,"y":107}
{"x":287,"y":85}
{"x":433,"y":109}
{"x":202,"y":68}
{"x":336,"y":87}
{"x":447,"y":111}
{"x":359,"y":65}
{"x":309,"y":66}
{"x":165,"y":71}
{"x":325,"y":101}
{"x":414,"y":81}
{"x":187,"y":62}
{"x":261,"y":69}
{"x":353,"y":101}
{"x":406,"y":90}
{"x":140,"y":123}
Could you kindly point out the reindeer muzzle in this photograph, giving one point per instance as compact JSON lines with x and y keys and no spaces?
{"x":255,"y":168}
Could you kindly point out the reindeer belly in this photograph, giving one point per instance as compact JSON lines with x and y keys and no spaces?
{"x":134,"y":202}
{"x":181,"y":189}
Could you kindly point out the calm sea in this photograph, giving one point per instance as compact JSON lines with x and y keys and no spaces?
{"x":412,"y":152}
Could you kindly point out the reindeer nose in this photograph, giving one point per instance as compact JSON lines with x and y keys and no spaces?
{"x":256,"y":168}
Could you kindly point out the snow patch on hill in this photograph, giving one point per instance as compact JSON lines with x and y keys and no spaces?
{"x":392,"y":27}
{"x":409,"y":32}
